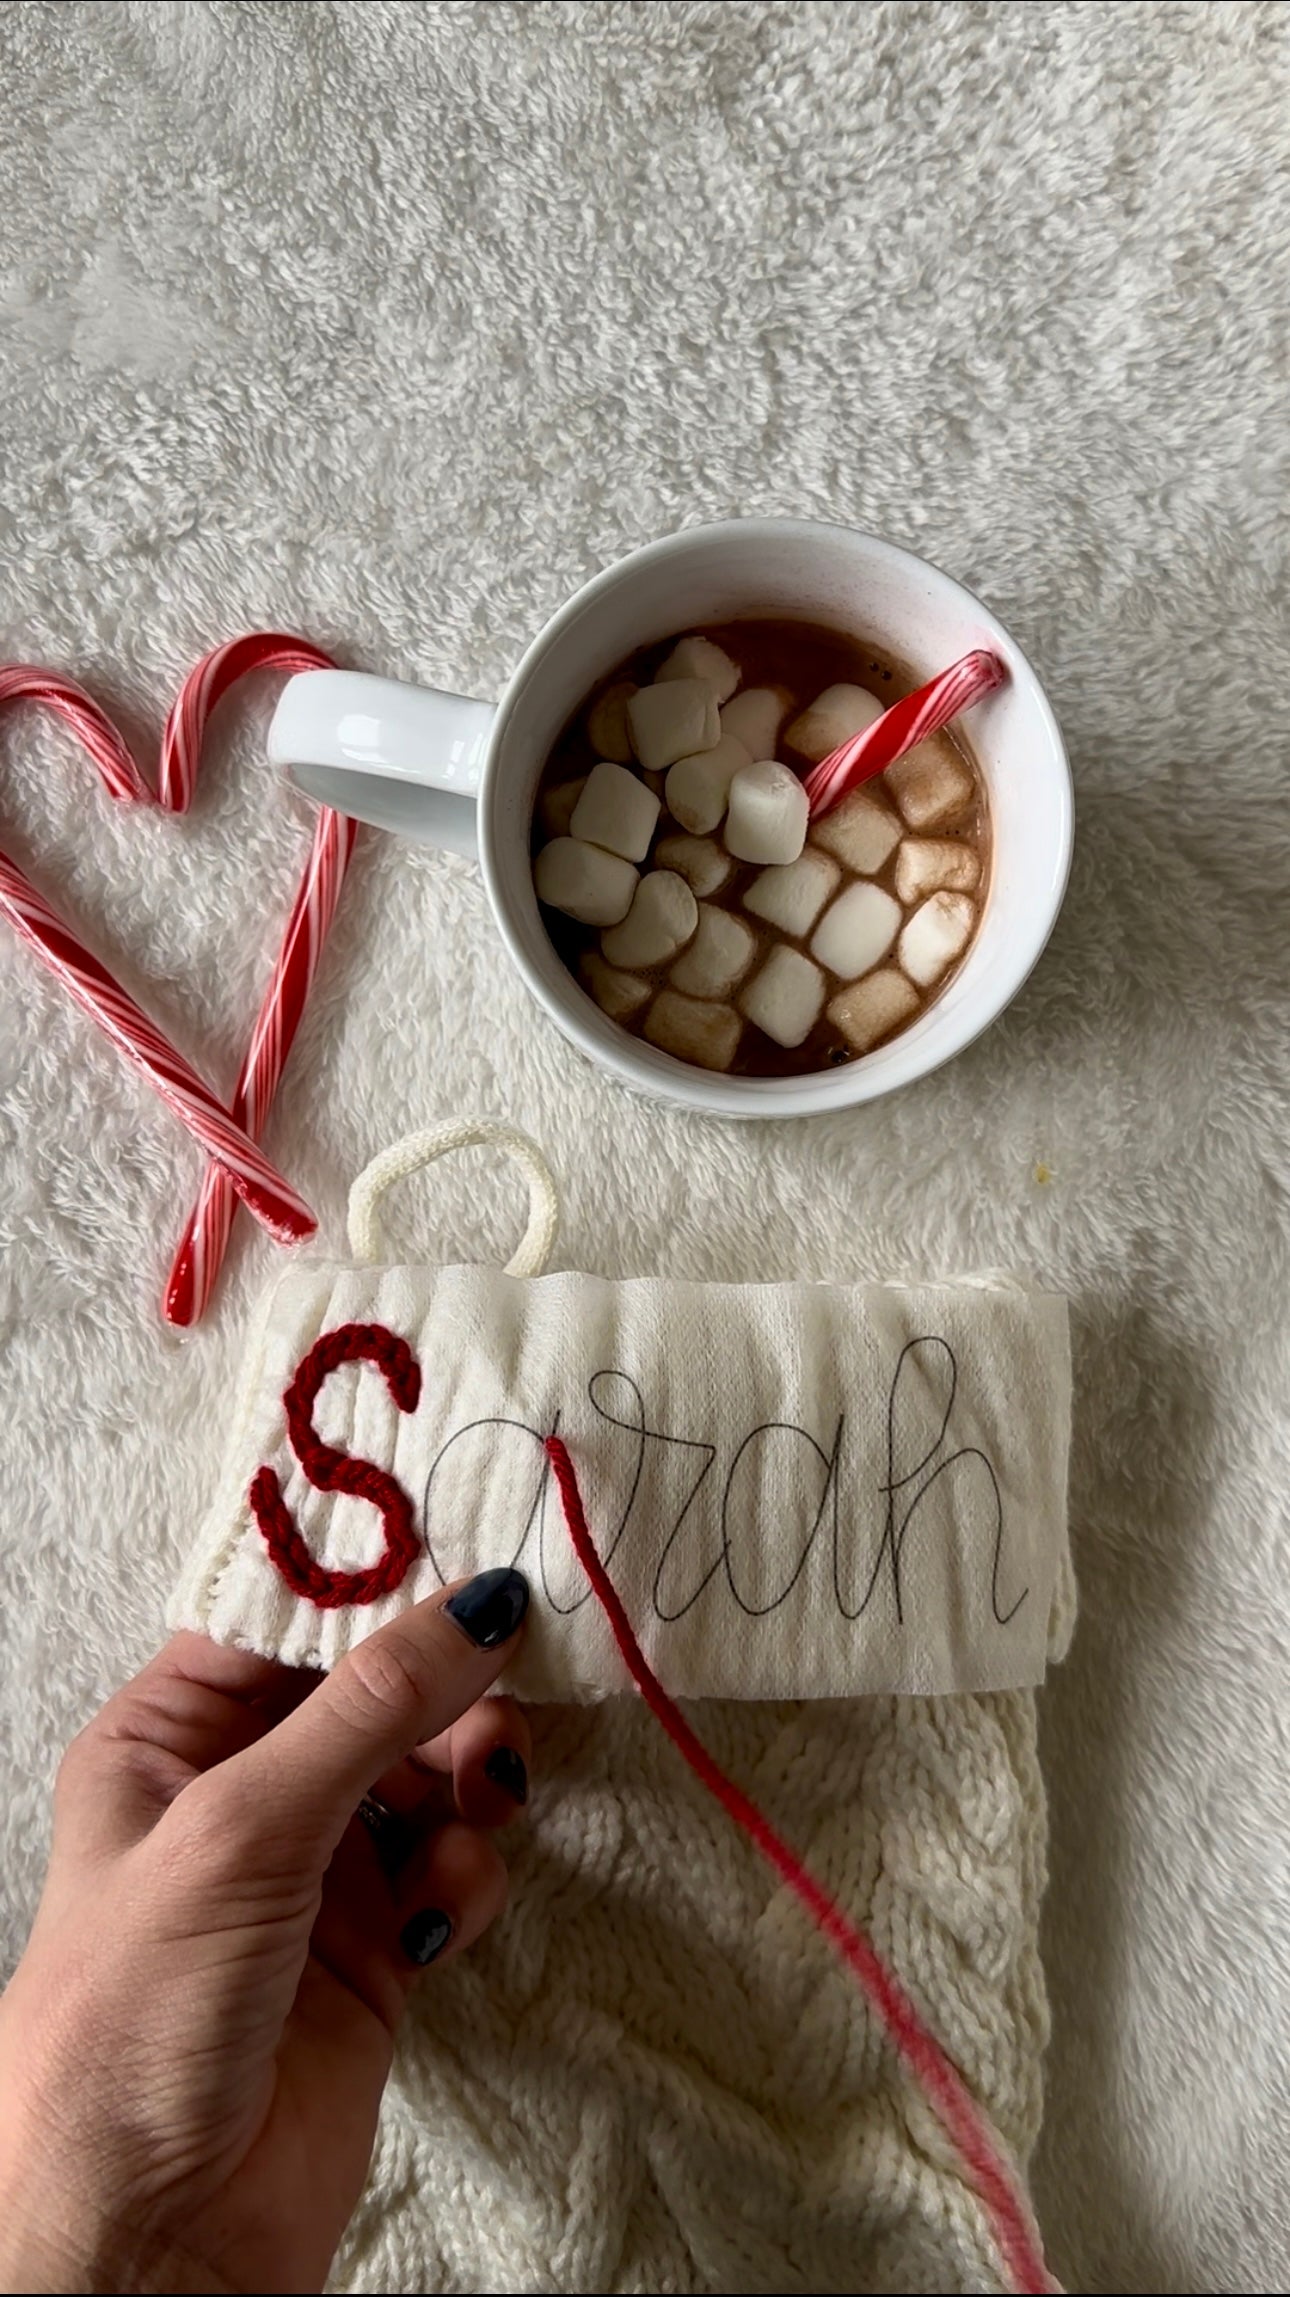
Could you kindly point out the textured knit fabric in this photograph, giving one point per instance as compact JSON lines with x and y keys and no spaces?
{"x":653,"y":2076}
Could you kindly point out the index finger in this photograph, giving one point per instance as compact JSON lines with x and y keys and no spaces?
{"x":398,"y":1687}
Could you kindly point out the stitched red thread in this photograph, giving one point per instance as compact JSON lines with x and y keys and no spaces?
{"x":332,"y":1470}
{"x":934,"y":2071}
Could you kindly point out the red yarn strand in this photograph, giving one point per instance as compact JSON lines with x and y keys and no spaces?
{"x":987,"y":2170}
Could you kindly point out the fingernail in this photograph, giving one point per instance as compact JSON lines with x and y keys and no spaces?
{"x":425,"y":1935}
{"x":507,"y":1770}
{"x":490,"y":1606}
{"x":392,"y":1837}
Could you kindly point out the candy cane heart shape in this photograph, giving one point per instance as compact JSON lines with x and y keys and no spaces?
{"x":237,"y":1167}
{"x":262,"y":1189}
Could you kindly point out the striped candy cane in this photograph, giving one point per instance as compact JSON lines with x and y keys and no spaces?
{"x":120,"y":776}
{"x":201,"y":1249}
{"x":900,"y":727}
{"x":264,"y":1192}
{"x":237,"y":1166}
{"x":200,"y":1252}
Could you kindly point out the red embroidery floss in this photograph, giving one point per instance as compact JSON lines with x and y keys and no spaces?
{"x":332,"y":1470}
{"x":987,"y":2169}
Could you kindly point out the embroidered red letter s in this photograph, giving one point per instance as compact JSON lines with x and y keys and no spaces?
{"x":331,"y":1470}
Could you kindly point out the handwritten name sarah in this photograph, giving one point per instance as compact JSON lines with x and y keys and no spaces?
{"x":714,"y":1539}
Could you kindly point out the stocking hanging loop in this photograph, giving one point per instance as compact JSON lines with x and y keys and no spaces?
{"x":418,"y":1149}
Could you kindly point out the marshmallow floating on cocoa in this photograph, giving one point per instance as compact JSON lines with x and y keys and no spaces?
{"x":767,"y":814}
{"x":792,"y":894}
{"x":783,"y":1000}
{"x":584,"y":881}
{"x":931,"y":785}
{"x":617,"y":811}
{"x":703,"y":863}
{"x":672,"y":721}
{"x":662,"y":918}
{"x":698,"y":788}
{"x":616,"y":993}
{"x":856,"y":931}
{"x":861,"y":831}
{"x":557,"y":806}
{"x":694,"y":1029}
{"x":935,"y":935}
{"x":700,"y":658}
{"x":720,"y":954}
{"x":755,"y":717}
{"x":872,"y":1008}
{"x":607,"y":723}
{"x":933,"y":865}
{"x":833,"y":717}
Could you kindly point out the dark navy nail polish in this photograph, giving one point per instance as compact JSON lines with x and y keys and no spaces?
{"x":425,"y":1935}
{"x":392,"y":1837}
{"x":507,"y":1770}
{"x":490,"y":1606}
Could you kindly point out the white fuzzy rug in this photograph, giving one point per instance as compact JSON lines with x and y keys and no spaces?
{"x":390,"y":323}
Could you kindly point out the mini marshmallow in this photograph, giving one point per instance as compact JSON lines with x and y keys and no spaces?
{"x":784,"y":999}
{"x":698,"y":788}
{"x":872,"y":1008}
{"x":861,"y":830}
{"x":857,"y":931}
{"x":699,"y":658}
{"x":766,"y":819}
{"x":662,"y":918}
{"x":931,"y":785}
{"x":703,"y":863}
{"x":792,"y":895}
{"x":719,"y":955}
{"x":755,"y":717}
{"x":672,"y":721}
{"x":833,"y":717}
{"x":935,"y":865}
{"x":556,"y":808}
{"x":694,"y":1029}
{"x":616,"y":811}
{"x":607,"y":723}
{"x":584,"y":881}
{"x":617,"y":994}
{"x":935,"y":935}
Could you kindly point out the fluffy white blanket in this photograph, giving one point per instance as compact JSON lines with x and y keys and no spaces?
{"x":390,"y":323}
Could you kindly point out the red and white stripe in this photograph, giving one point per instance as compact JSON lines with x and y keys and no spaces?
{"x":121,"y":778}
{"x":237,"y":1166}
{"x":201,"y":1249}
{"x":205,"y":686}
{"x":264,"y":1192}
{"x":900,"y":727}
{"x":200,"y":1252}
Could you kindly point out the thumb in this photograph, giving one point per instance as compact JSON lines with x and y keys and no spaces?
{"x":413,"y":1678}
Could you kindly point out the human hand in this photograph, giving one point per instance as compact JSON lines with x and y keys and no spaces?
{"x":195,"y":2042}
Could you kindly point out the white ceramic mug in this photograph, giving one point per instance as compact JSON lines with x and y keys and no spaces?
{"x":460,"y":774}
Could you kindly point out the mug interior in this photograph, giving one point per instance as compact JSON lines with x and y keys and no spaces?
{"x":856,"y":583}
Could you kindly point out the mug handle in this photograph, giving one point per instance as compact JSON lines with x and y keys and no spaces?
{"x":405,"y":758}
